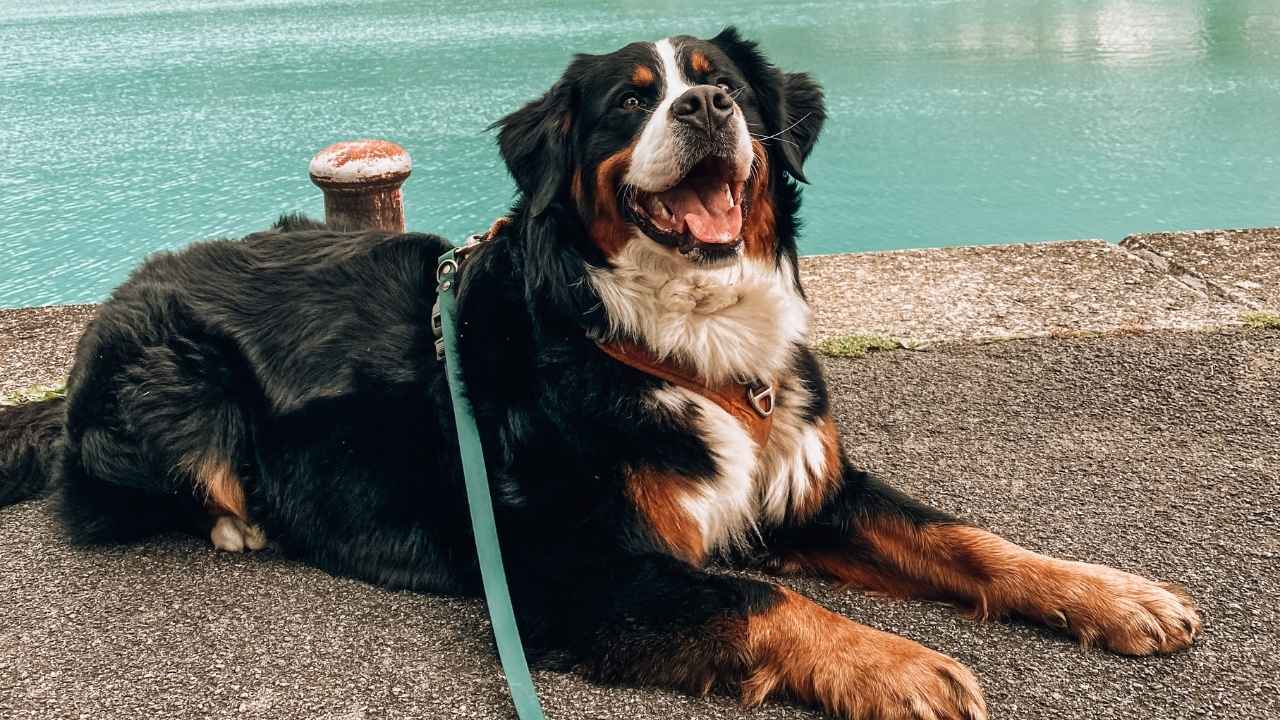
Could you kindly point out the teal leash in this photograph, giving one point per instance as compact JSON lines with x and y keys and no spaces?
{"x":510,"y":650}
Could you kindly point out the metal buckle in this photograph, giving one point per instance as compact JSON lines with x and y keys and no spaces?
{"x":454,"y":263}
{"x":447,"y":268}
{"x":761,"y":399}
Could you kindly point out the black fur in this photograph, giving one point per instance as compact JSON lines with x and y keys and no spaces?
{"x":29,"y":434}
{"x":303,"y":358}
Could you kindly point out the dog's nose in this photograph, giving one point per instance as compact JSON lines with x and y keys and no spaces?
{"x":705,"y":107}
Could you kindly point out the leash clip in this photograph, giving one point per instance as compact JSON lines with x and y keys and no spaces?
{"x":447,"y":270}
{"x":446,"y":278}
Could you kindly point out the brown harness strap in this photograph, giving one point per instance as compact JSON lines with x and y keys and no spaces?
{"x":752,"y":405}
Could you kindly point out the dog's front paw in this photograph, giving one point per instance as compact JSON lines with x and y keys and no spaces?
{"x":1122,"y":612}
{"x":852,"y":671}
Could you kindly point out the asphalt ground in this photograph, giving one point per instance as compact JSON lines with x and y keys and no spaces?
{"x":1158,"y":453}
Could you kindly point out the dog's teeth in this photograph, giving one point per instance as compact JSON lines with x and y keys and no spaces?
{"x":728,"y":193}
{"x":661,"y":211}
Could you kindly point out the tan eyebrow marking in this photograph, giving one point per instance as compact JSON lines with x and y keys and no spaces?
{"x":642,"y":76}
{"x":699,"y":62}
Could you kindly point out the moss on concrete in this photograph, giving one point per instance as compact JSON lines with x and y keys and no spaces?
{"x":856,"y":346}
{"x":32,"y":394}
{"x":1261,"y":320}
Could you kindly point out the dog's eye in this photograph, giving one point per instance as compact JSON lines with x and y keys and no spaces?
{"x":630,"y":101}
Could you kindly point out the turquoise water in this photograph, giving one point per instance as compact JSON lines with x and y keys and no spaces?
{"x":130,"y":126}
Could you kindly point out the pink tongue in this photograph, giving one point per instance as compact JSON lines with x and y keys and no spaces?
{"x":703,"y":207}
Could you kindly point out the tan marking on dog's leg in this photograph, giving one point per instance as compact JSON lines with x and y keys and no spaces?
{"x":658,"y":498}
{"x":1098,"y":605}
{"x":215,"y":479}
{"x":800,"y":649}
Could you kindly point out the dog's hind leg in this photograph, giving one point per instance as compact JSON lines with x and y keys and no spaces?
{"x":159,"y":439}
{"x":870,"y":536}
{"x":221,"y":491}
{"x":654,"y":620}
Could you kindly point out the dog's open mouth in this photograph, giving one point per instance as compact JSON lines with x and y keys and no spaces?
{"x":701,"y":212}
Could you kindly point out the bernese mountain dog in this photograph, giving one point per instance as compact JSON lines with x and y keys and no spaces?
{"x":633,"y":338}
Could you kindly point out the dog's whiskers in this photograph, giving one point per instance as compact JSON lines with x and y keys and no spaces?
{"x":788,"y":128}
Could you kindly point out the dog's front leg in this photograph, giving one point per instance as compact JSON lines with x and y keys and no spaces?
{"x":654,"y":620}
{"x":869,"y":536}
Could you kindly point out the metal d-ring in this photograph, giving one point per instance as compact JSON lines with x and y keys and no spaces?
{"x":761,"y":399}
{"x":446,"y":268}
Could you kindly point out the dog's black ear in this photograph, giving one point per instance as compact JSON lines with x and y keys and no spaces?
{"x":534,"y":142}
{"x":791,"y":104}
{"x":806,"y":112}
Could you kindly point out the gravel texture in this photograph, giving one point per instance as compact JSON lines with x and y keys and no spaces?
{"x":1158,"y":453}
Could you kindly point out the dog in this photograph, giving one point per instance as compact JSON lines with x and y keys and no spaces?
{"x":633,"y":337}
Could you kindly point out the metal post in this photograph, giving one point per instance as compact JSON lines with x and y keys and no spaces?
{"x":361,"y":181}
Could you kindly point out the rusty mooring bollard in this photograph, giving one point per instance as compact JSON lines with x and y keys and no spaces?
{"x":361,"y":181}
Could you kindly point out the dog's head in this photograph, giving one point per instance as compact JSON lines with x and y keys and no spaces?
{"x":682,"y":143}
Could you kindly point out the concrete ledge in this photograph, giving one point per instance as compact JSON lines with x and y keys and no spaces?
{"x":37,"y":345}
{"x":1242,"y":266}
{"x":1160,"y":281}
{"x":977,"y":293}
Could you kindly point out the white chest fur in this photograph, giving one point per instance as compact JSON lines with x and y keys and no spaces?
{"x":736,"y":321}
{"x":753,"y":487}
{"x":743,"y":321}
